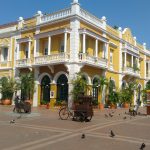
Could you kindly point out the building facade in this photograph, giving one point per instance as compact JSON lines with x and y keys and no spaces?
{"x":59,"y":45}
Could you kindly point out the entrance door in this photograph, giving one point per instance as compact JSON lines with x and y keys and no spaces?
{"x":62,"y":88}
{"x":95,"y":91}
{"x":45,"y":89}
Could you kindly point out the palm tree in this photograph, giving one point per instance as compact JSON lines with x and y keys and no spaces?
{"x":27,"y":85}
{"x":103,"y":82}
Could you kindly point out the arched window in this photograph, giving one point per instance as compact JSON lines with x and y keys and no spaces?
{"x":95,"y":91}
{"x":62,"y":88}
{"x":45,"y":89}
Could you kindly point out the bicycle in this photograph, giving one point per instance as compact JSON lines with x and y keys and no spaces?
{"x":79,"y":115}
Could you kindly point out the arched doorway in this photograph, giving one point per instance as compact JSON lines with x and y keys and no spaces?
{"x":95,"y":91}
{"x":62,"y":88}
{"x":45,"y":89}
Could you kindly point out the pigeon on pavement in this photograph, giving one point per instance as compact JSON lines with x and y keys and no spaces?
{"x":112,"y":134}
{"x":142,"y":146}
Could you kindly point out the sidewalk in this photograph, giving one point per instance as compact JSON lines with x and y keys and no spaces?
{"x":42,"y":129}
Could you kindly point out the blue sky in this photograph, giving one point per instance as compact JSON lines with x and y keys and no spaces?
{"x":134,"y":14}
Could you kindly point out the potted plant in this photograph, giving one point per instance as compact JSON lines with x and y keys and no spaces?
{"x":125,"y":98}
{"x":113,"y":98}
{"x":79,"y":87}
{"x":127,"y":94}
{"x":27,"y":86}
{"x":7,"y":88}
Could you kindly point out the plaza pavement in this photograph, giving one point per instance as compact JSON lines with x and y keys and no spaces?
{"x":43,"y":130}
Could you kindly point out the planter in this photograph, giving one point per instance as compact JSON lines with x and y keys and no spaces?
{"x":125,"y":105}
{"x":6,"y":102}
{"x":47,"y":106}
{"x":101,"y":106}
{"x":113,"y":106}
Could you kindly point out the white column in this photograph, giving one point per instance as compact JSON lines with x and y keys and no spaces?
{"x":35,"y":95}
{"x":49,"y":45}
{"x":65,"y":42}
{"x":125,"y":59}
{"x":132,"y":61}
{"x":29,"y":49}
{"x":84,"y":43}
{"x":96,"y":47}
{"x":35,"y":44}
{"x":105,"y":50}
{"x":18,"y":51}
{"x":8,"y":54}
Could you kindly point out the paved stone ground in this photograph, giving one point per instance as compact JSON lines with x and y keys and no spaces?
{"x":42,"y":129}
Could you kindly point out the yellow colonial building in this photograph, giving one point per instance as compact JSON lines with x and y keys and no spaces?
{"x":59,"y":45}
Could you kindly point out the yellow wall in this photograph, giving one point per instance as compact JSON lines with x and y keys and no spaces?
{"x":90,"y":46}
{"x":56,"y":26}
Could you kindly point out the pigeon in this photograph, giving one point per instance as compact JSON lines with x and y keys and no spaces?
{"x":110,"y":115}
{"x":112,"y":112}
{"x":19,"y":117}
{"x":83,"y":136}
{"x":112,"y":134}
{"x":142,"y":146}
{"x":124,"y":117}
{"x":119,"y":114}
{"x":106,"y":116}
{"x":12,"y":121}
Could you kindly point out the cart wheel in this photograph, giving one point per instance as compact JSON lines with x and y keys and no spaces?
{"x":63,"y":114}
{"x":82,"y":117}
{"x":87,"y":119}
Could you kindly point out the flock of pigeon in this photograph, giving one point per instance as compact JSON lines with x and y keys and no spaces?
{"x":112,"y":134}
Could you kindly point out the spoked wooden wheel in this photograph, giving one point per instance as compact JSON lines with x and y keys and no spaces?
{"x":87,"y":119}
{"x":63,"y":114}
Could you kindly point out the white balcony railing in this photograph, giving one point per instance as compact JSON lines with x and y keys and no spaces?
{"x":23,"y":63}
{"x":91,"y":60}
{"x":68,"y":12}
{"x":91,"y":18}
{"x":51,"y":59}
{"x":131,"y":48}
{"x":57,"y":15}
{"x":131,"y":71}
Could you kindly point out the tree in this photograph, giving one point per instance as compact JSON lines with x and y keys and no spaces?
{"x":103,"y":82}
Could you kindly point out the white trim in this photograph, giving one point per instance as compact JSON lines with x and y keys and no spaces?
{"x":42,"y":76}
{"x":57,"y":75}
{"x":51,"y":33}
{"x":87,"y":78}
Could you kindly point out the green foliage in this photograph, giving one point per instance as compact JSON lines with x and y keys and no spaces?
{"x":27,"y":85}
{"x":113,"y":97}
{"x":135,"y":67}
{"x":7,"y":87}
{"x":127,"y":93}
{"x":115,"y":27}
{"x":44,"y":102}
{"x":148,"y":85}
{"x":102,"y":82}
{"x":79,"y":86}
